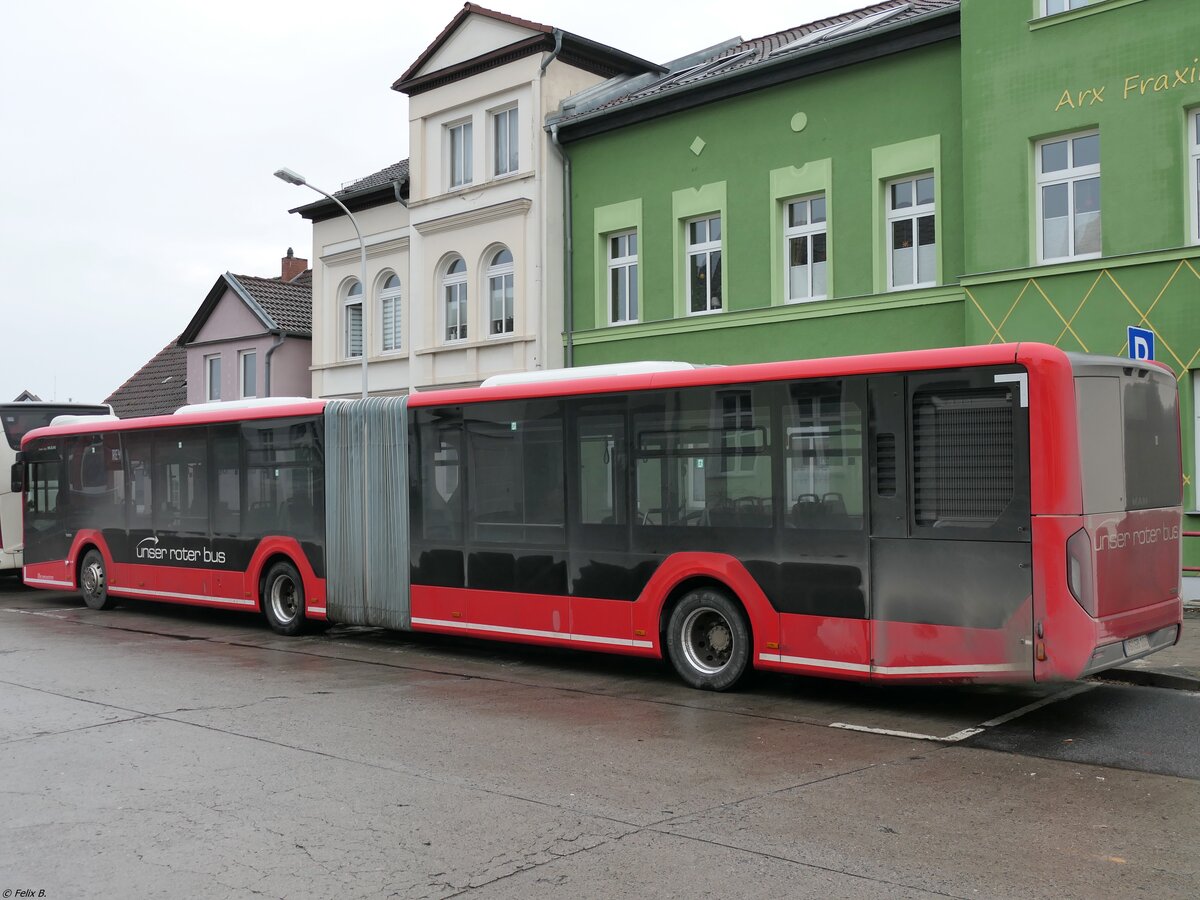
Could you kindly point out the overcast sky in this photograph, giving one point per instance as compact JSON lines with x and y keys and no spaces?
{"x":138,"y":140}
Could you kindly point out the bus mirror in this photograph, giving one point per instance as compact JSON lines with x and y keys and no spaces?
{"x":18,"y":478}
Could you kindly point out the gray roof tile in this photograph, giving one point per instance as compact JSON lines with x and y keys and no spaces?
{"x":742,"y":55}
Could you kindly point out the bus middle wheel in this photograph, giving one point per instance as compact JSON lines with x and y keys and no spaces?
{"x":283,"y":599}
{"x":708,"y":640}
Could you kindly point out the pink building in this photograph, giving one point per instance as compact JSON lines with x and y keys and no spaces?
{"x":252,"y":337}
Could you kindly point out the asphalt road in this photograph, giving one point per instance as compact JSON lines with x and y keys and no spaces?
{"x":160,"y":751}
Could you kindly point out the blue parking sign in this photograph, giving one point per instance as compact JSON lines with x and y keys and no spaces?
{"x":1141,"y":343}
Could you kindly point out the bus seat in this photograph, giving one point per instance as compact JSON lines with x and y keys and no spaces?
{"x":807,"y":511}
{"x":833,"y":506}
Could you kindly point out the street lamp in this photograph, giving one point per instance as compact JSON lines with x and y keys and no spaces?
{"x":294,"y":178}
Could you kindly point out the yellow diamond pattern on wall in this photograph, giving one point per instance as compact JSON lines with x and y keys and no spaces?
{"x":1088,"y":310}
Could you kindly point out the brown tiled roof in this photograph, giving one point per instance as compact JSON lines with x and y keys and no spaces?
{"x":158,"y":388}
{"x":750,"y":54}
{"x":287,"y":303}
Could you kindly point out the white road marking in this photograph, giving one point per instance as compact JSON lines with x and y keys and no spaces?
{"x":971,"y":732}
{"x":1038,"y":704}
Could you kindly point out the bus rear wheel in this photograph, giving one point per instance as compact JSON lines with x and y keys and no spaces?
{"x":708,"y":640}
{"x":93,"y":581}
{"x":283,"y":599}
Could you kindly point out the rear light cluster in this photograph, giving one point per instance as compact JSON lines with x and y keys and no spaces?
{"x":1080,"y":577}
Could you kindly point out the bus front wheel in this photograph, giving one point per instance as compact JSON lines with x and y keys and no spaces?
{"x":283,"y":599}
{"x":93,"y":581}
{"x":708,"y":640}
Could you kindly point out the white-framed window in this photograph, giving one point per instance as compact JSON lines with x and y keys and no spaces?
{"x":704,"y":264}
{"x":390,"y":313}
{"x":1051,"y":7}
{"x":352,"y":322}
{"x":212,"y":377}
{"x":454,"y":294}
{"x":461,"y":153}
{"x":1194,"y":169}
{"x":500,"y":293}
{"x":1068,"y":197}
{"x":247,"y":374}
{"x":623,"y":278}
{"x":805,"y":239}
{"x":912,"y":233}
{"x":505,"y":155}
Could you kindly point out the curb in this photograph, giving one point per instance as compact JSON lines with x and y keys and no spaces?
{"x":1159,"y":678}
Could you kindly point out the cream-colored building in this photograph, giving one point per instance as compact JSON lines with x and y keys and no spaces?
{"x":465,"y":240}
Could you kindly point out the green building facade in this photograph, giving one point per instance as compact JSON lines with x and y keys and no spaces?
{"x":934,"y":173}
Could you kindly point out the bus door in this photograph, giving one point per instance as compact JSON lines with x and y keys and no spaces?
{"x":46,"y":539}
{"x":822,"y":591}
{"x":604,"y":578}
{"x":951,"y":583}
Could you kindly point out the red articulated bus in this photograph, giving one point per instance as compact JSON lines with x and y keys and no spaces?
{"x":1000,"y":513}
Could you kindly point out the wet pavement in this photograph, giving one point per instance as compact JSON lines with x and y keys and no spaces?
{"x":158,"y":751}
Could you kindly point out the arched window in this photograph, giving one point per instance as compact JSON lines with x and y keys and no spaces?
{"x":454,"y":290}
{"x":389,"y":309}
{"x":500,"y":292}
{"x":353,"y":321}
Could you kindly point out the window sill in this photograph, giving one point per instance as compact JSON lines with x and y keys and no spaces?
{"x":1083,"y":12}
{"x":902,"y":288}
{"x":624,"y":322}
{"x":475,"y":345}
{"x":1066,"y":260}
{"x":474,"y":188}
{"x":705,"y":312}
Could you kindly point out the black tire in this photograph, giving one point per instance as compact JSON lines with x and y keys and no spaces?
{"x":93,"y":581}
{"x":708,"y":640}
{"x":283,"y":599}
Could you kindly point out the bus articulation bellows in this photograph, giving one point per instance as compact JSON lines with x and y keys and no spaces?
{"x":1000,"y":513}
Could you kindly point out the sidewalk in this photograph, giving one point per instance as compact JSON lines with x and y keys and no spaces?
{"x":1176,"y":667}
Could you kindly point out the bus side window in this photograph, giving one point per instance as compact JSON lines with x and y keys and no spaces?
{"x":139,"y":483}
{"x":824,"y":457}
{"x":602,"y":463}
{"x":181,"y":480}
{"x":226,"y":487}
{"x":437,"y":491}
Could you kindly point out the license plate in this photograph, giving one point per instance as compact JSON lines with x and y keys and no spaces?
{"x":1137,"y":645}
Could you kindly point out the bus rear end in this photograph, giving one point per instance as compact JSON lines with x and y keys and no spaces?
{"x":1115,"y":597}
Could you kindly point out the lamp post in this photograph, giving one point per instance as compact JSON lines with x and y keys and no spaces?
{"x":293,"y":178}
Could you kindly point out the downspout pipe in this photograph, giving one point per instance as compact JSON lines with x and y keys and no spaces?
{"x":569,"y":250}
{"x":568,"y":298}
{"x":280,"y":337}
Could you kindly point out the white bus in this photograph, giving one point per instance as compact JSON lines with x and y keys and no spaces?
{"x":16,"y":420}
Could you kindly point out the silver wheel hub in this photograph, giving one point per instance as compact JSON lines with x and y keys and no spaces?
{"x":283,"y":599}
{"x":93,"y":578}
{"x":707,"y":640}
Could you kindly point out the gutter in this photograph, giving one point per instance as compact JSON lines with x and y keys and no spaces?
{"x":569,"y":249}
{"x":568,"y":305}
{"x":280,"y":337}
